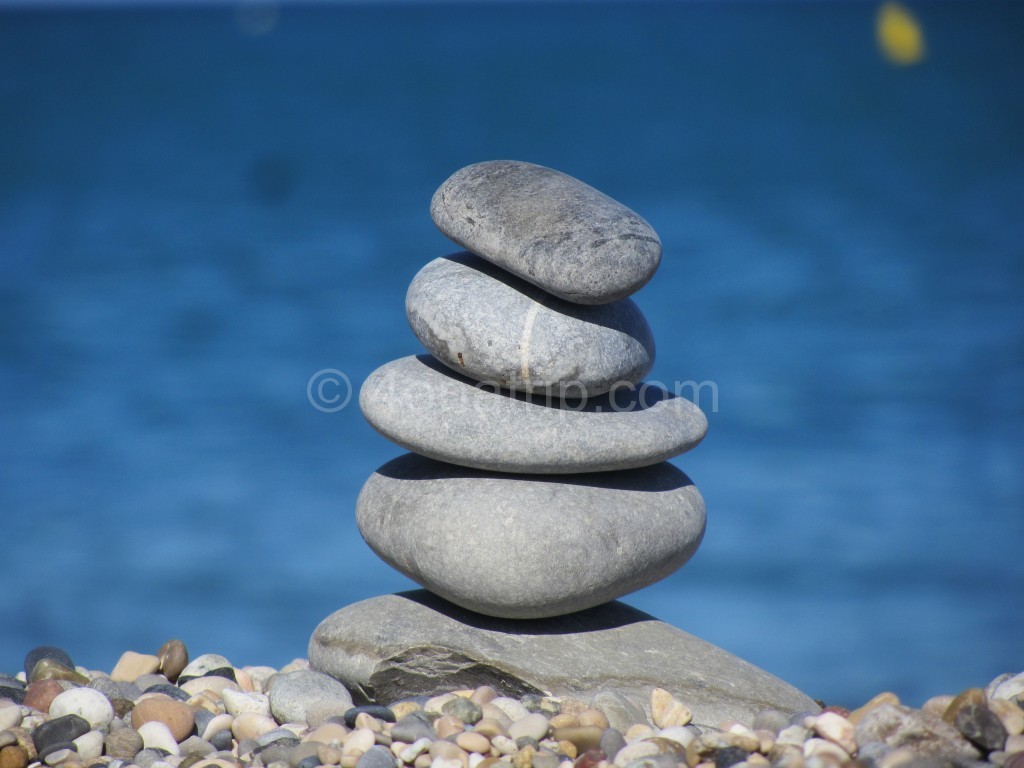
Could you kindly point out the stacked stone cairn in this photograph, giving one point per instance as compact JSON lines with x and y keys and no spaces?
{"x":538,"y":484}
{"x":537,"y":490}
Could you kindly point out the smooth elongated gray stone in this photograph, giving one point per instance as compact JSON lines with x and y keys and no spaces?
{"x":549,"y":229}
{"x":414,"y":643}
{"x":427,"y":408}
{"x":530,"y":546}
{"x":485,"y":323}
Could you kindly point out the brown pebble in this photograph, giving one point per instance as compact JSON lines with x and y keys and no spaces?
{"x":1016,"y":760}
{"x":490,"y":728}
{"x":176,"y":715}
{"x":423,"y":761}
{"x":124,"y":743}
{"x":589,"y":759}
{"x":48,"y":669}
{"x":523,"y":758}
{"x":488,"y":762}
{"x":13,"y":756}
{"x":568,"y":749}
{"x":970,"y":696}
{"x":39,"y":695}
{"x":24,"y":739}
{"x":122,"y":706}
{"x":328,"y":755}
{"x":584,"y":737}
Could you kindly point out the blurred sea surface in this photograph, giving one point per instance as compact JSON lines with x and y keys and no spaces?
{"x":201,"y":207}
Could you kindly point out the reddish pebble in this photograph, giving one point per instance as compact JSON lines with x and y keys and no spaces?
{"x":40,"y":694}
{"x":589,"y":759}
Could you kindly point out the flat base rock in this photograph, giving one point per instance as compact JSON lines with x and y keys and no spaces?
{"x":414,"y":643}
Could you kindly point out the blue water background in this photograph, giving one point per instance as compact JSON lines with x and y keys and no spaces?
{"x":200,"y":209}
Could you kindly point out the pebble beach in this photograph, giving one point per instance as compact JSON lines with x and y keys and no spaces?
{"x":168,"y":710}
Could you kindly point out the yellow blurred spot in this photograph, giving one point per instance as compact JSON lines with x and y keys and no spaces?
{"x":899,"y":34}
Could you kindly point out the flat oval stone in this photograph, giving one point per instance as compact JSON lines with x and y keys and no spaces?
{"x":549,"y":229}
{"x":425,"y":407}
{"x":524,"y":547}
{"x":491,"y":326}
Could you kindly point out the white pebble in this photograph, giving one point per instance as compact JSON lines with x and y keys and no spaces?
{"x":237,"y":702}
{"x":444,"y":762}
{"x":794,"y":734}
{"x":156,"y":735}
{"x":1010,"y":689}
{"x":513,"y":709}
{"x":825,"y":748}
{"x":636,"y":751}
{"x":504,"y":745}
{"x":216,"y":725}
{"x":837,"y":729}
{"x":414,"y":750}
{"x":533,"y":725}
{"x":90,"y":745}
{"x":84,"y":702}
{"x":679,"y":734}
{"x":10,"y":715}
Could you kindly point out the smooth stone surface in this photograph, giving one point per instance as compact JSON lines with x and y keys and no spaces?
{"x":85,"y":702}
{"x":475,"y":538}
{"x":414,"y":643}
{"x":549,"y":229}
{"x":60,"y":730}
{"x":292,"y":693}
{"x":487,"y":324}
{"x":173,"y":658}
{"x":51,"y":652}
{"x":423,"y":406}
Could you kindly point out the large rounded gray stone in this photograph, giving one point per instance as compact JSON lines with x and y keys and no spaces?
{"x":549,"y":228}
{"x":414,"y":643}
{"x":427,"y":408}
{"x":487,"y":324}
{"x":530,"y":546}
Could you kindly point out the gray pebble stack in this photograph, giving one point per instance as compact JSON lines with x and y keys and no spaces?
{"x":538,"y":484}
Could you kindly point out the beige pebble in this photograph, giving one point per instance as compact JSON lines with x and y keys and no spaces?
{"x":883,"y":698}
{"x":156,"y":735}
{"x":446,"y":750}
{"x":564,"y":721}
{"x":132,"y":665}
{"x":259,"y":676}
{"x":757,"y":759}
{"x":211,"y":702}
{"x":435,"y":704}
{"x":570,"y":705}
{"x":637,"y":732}
{"x":523,"y":758}
{"x":533,"y":725}
{"x":504,"y":744}
{"x":250,"y":725}
{"x":766,"y":740}
{"x":485,"y":694}
{"x":793,"y":734}
{"x":328,"y":755}
{"x":896,"y":757}
{"x":837,"y":729}
{"x":444,"y":762}
{"x":349,"y":760}
{"x":403,"y":708}
{"x":1014,"y":743}
{"x":490,"y":727}
{"x":213,"y":683}
{"x":594,"y":717}
{"x":472,"y":741}
{"x":636,"y":751}
{"x":1011,"y":716}
{"x":358,"y":741}
{"x":937,"y":705}
{"x":364,"y":720}
{"x":332,"y":734}
{"x":491,"y":712}
{"x":10,"y":714}
{"x":218,"y":723}
{"x":667,"y":711}
{"x":679,"y":734}
{"x":244,"y":680}
{"x":824,"y":748}
{"x":448,"y":725}
{"x":295,"y":665}
{"x":513,"y":709}
{"x":423,"y":761}
{"x":89,"y":745}
{"x":409,"y":753}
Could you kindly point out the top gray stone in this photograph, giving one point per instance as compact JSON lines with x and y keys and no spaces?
{"x":487,"y":324}
{"x":549,"y":229}
{"x":396,"y":646}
